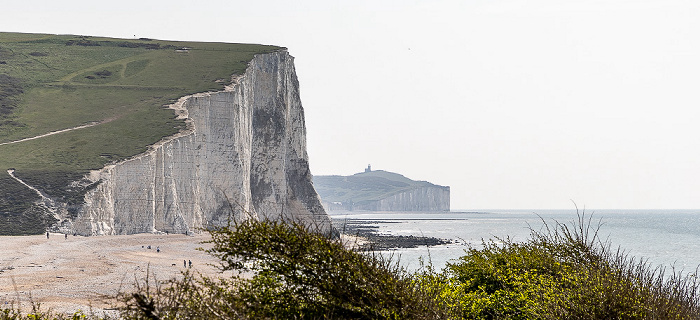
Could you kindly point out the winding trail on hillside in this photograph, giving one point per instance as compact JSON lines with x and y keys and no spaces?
{"x":46,"y":201}
{"x":91,"y":124}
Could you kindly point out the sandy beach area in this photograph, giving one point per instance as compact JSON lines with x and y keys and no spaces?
{"x":86,"y":273}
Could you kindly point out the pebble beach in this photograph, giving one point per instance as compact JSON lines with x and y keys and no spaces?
{"x":70,"y":273}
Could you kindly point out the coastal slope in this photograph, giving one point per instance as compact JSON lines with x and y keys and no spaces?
{"x":102,"y":136}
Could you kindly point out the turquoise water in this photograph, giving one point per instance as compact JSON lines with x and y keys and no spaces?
{"x":669,"y":238}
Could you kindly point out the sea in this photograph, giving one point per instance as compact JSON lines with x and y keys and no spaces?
{"x":663,"y":238}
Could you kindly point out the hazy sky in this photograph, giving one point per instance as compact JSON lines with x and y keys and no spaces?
{"x":513,"y":104}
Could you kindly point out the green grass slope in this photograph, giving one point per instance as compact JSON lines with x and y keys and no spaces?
{"x":55,"y":82}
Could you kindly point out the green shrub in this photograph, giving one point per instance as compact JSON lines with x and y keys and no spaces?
{"x":563,"y":273}
{"x":13,"y":313}
{"x":283,"y":271}
{"x":289,"y":273}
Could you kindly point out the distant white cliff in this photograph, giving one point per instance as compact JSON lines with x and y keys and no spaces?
{"x":381,"y":191}
{"x":243,"y":156}
{"x":427,"y":199}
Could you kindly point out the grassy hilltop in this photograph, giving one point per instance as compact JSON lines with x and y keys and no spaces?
{"x":55,"y":82}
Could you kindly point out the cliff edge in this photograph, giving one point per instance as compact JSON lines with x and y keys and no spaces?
{"x":243,"y":155}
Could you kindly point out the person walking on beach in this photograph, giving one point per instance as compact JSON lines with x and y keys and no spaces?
{"x":184,"y":263}
{"x":190,"y":263}
{"x":47,"y":234}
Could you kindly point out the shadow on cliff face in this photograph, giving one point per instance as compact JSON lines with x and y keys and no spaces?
{"x":300,"y":184}
{"x":226,"y":214}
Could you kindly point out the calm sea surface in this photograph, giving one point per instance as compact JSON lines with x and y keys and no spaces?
{"x":663,"y":237}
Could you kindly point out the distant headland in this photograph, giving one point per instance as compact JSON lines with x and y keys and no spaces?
{"x":379,"y":190}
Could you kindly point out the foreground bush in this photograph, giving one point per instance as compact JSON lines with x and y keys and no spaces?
{"x":290,"y":274}
{"x":561,"y":273}
{"x":13,"y":313}
{"x":565,"y":272}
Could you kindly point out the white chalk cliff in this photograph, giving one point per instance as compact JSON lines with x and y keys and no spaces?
{"x":242,"y":156}
{"x":427,"y":199}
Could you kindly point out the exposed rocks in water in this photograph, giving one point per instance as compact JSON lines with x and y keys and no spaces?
{"x":369,"y":229}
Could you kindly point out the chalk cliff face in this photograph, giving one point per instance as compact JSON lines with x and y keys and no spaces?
{"x":243,"y":156}
{"x":429,"y":199}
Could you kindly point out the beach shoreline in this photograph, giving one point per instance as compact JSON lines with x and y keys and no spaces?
{"x":70,"y":273}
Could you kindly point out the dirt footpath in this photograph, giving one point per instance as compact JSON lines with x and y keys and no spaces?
{"x":67,"y":274}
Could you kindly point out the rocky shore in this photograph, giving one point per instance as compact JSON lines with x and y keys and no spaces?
{"x":377,"y":241}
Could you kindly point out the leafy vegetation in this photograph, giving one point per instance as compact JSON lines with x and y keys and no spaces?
{"x":36,"y":314}
{"x":54,"y":82}
{"x":289,"y":273}
{"x":283,"y":271}
{"x":563,"y":273}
